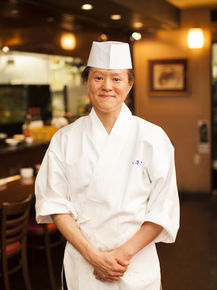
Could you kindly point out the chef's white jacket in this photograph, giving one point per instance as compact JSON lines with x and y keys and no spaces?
{"x":111,"y":184}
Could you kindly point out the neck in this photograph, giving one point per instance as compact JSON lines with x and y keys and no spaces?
{"x":108,"y":119}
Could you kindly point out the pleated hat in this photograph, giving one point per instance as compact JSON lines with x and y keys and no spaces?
{"x":110,"y":55}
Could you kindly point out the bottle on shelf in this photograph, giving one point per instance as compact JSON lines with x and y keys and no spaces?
{"x":26,"y":126}
{"x":36,"y":121}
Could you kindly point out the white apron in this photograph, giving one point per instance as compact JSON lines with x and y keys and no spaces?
{"x":111,"y":184}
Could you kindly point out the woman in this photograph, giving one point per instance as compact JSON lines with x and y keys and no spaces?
{"x":108,"y":182}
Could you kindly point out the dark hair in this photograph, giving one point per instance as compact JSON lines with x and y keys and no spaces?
{"x":85,"y":74}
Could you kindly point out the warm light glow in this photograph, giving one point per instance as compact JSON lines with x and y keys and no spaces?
{"x":87,"y":7}
{"x":14,"y":12}
{"x":50,"y":19}
{"x":5,"y":49}
{"x":138,"y":25}
{"x":136,"y":35}
{"x":195,"y":38}
{"x":68,"y":41}
{"x":103,"y":37}
{"x":115,"y":17}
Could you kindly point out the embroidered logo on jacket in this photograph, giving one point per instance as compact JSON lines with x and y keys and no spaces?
{"x":137,"y":162}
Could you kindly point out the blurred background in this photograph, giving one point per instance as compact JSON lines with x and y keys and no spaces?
{"x":44,"y":45}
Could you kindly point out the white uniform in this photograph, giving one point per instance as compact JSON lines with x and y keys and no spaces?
{"x":111,"y":184}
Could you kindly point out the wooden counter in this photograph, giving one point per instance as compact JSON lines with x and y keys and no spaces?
{"x":16,"y":190}
{"x":23,"y":155}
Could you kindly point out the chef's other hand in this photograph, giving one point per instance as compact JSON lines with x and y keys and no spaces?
{"x":122,"y":256}
{"x":101,"y":276}
{"x":108,"y":266}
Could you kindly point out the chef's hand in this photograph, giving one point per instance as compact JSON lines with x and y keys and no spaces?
{"x":102,"y":277}
{"x":109,"y":267}
{"x":122,"y":257}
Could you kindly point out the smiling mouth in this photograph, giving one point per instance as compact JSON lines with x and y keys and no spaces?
{"x":106,"y":96}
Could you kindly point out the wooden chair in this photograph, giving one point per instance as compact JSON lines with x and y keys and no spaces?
{"x":13,"y":231}
{"x":45,"y":237}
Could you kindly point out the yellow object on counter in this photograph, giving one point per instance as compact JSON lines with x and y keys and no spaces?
{"x":9,"y":179}
{"x":44,"y":133}
{"x":19,"y":137}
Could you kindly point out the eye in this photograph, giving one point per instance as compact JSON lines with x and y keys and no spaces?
{"x":116,"y":79}
{"x":98,"y":78}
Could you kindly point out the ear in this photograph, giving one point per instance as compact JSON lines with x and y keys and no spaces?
{"x":131,"y":85}
{"x":86,"y":84}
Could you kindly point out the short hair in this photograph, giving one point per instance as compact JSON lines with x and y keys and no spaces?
{"x":86,"y":71}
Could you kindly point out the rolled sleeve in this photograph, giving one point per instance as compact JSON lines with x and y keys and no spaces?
{"x":163,"y":204}
{"x":51,"y":187}
{"x":46,"y":207}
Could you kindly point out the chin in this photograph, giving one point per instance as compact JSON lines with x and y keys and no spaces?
{"x":109,"y":109}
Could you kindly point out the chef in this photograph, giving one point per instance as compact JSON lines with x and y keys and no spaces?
{"x":108,"y":182}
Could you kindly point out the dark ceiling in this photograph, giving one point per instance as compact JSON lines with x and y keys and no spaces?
{"x":35,"y":25}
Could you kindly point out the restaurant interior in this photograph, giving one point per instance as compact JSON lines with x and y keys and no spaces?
{"x":44,"y":46}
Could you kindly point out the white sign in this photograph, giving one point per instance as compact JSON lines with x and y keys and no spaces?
{"x":203,"y":137}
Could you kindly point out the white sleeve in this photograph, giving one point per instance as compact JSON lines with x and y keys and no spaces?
{"x":163,"y":205}
{"x":51,"y":187}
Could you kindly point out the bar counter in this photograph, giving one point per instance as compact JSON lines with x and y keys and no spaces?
{"x":12,"y":159}
{"x":23,"y":146}
{"x":16,"y":190}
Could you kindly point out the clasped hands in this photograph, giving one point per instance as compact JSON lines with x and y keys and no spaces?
{"x":110,"y":266}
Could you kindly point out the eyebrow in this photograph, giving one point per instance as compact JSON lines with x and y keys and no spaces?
{"x":113,"y":73}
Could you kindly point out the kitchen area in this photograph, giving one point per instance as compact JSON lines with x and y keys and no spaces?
{"x":38,"y":94}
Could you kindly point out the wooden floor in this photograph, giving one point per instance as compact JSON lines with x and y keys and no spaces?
{"x":189,"y":264}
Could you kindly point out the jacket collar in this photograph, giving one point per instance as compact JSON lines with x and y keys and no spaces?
{"x":97,"y":131}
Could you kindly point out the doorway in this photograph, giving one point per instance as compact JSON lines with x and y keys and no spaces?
{"x":214,"y":117}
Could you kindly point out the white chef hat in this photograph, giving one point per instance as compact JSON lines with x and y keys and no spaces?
{"x":110,"y":55}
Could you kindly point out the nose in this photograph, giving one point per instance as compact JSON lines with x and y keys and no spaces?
{"x":107,"y":84}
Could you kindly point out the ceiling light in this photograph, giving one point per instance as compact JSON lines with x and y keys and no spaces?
{"x":5,"y":49}
{"x":138,"y":25}
{"x":115,"y":17}
{"x":195,"y":38}
{"x":68,"y":41}
{"x":136,"y":35}
{"x":87,"y":7}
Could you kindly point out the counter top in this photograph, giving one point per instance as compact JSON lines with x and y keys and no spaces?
{"x":16,"y":190}
{"x":21,"y":147}
{"x":23,"y":155}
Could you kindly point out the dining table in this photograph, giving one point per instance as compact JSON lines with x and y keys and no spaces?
{"x":15,"y":188}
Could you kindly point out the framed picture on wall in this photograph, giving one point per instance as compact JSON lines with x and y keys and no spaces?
{"x":168,"y":77}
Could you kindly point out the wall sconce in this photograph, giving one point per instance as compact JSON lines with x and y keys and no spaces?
{"x":68,"y":41}
{"x":195,"y":38}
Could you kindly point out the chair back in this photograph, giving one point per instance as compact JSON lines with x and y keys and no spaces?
{"x":14,"y":221}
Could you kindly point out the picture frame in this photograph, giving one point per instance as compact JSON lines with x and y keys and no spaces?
{"x":168,"y":77}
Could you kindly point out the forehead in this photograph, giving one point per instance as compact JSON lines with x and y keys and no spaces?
{"x":123,"y":72}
